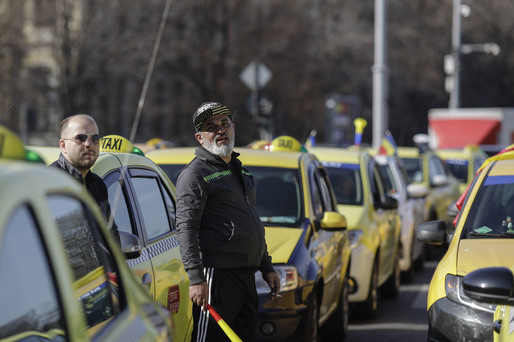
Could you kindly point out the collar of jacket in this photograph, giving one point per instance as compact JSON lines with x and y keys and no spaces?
{"x":207,"y":156}
{"x":72,"y":170}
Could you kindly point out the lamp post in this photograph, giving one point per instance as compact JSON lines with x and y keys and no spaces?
{"x":452,"y":61}
{"x":456,"y":41}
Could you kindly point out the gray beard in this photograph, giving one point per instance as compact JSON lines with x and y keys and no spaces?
{"x":224,"y":150}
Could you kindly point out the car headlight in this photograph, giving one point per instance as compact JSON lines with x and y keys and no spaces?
{"x":355,"y":237}
{"x":454,"y":292}
{"x":288,"y":279}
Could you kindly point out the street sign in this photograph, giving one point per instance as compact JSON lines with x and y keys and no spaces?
{"x":256,"y":75}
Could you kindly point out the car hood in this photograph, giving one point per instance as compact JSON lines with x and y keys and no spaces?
{"x":353,"y":213}
{"x":478,"y":253}
{"x":282,"y":242}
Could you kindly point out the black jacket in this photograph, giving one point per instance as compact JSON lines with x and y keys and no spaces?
{"x":217,"y":220}
{"x":96,"y":187}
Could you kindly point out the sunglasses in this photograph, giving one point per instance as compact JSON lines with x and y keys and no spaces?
{"x":82,"y":138}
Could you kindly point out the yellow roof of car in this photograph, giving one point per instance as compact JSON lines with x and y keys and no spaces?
{"x":173,"y":155}
{"x":338,"y":154}
{"x":459,"y":154}
{"x":408,"y":152}
{"x":267,"y":158}
{"x":249,"y":156}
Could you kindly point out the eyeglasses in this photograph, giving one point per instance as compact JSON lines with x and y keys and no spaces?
{"x":82,"y":138}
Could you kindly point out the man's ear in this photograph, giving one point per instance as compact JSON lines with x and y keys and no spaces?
{"x":199,"y":137}
{"x":62,"y":144}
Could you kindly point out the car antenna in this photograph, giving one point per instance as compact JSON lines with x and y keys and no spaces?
{"x":7,"y":111}
{"x":149,"y":71}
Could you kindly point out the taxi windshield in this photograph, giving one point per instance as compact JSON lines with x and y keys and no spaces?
{"x":459,"y":169}
{"x":414,"y":168}
{"x":172,"y":170}
{"x":346,"y":181}
{"x":492,"y":212}
{"x":279,"y":200}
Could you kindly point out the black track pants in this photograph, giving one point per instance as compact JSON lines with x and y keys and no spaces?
{"x":233,"y":295}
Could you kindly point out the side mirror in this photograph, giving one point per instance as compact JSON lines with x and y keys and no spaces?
{"x":333,"y":221}
{"x":389,"y":202}
{"x":130,"y":245}
{"x":417,"y":191}
{"x":440,"y":180}
{"x":452,"y":210}
{"x":432,"y":232}
{"x":493,"y":285}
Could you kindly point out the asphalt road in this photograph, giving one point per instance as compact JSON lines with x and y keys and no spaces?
{"x":403,"y":319}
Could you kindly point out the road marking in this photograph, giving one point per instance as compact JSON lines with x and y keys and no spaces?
{"x":390,"y":326}
{"x":421,"y":299}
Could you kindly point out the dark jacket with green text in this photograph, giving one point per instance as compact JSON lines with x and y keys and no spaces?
{"x":217,"y":221}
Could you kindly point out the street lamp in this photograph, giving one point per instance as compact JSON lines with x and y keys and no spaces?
{"x":452,"y":61}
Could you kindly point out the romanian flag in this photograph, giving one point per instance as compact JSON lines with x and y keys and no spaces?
{"x":311,"y":139}
{"x":359,"y":124}
{"x":388,"y":146}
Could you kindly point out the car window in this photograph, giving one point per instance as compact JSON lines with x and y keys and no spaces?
{"x":390,"y":181}
{"x":172,"y":170}
{"x":346,"y":182}
{"x":118,"y":199}
{"x":435,"y":167}
{"x":279,"y":198}
{"x":459,"y":169}
{"x":325,"y":194}
{"x":89,"y":257}
{"x":492,"y":209}
{"x":414,"y":168}
{"x":29,"y":299}
{"x":154,"y":209}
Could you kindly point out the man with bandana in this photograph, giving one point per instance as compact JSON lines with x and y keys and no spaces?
{"x":219,"y":231}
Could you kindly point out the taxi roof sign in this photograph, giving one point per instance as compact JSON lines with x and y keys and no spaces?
{"x":11,"y":146}
{"x":118,"y":144}
{"x":286,"y":143}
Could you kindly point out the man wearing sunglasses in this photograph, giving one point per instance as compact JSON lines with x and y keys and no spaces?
{"x":80,"y":145}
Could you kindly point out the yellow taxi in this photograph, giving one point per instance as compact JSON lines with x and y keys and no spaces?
{"x":374,"y":225}
{"x":483,"y":237}
{"x":306,"y":239}
{"x":142,"y":200}
{"x":426,"y":168}
{"x":62,"y":275}
{"x":463,"y":163}
{"x":494,"y":285}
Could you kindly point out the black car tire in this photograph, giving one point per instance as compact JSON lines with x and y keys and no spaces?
{"x":391,"y":288}
{"x":311,"y":326}
{"x":336,"y":327}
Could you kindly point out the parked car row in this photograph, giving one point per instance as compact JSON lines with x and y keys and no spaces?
{"x":340,"y":227}
{"x":382,"y":210}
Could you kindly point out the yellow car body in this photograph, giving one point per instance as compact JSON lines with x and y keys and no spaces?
{"x":306,"y":239}
{"x":142,"y":199}
{"x":62,"y":274}
{"x":464,"y":163}
{"x":482,"y":238}
{"x":373,"y":224}
{"x":427,"y":169}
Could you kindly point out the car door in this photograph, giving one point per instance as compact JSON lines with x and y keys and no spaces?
{"x":147,"y":208}
{"x":327,"y":246}
{"x":387,"y":222}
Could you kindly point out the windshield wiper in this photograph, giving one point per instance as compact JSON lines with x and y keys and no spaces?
{"x":505,"y":234}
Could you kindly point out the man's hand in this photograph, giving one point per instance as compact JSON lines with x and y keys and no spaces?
{"x":199,"y":294}
{"x":274,"y":283}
